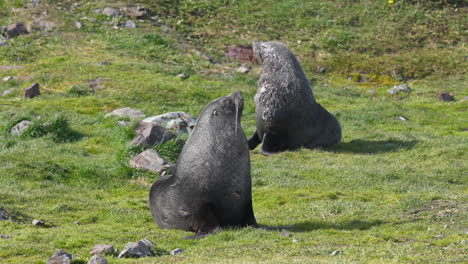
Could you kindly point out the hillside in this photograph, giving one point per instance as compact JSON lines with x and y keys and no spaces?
{"x":394,"y":190}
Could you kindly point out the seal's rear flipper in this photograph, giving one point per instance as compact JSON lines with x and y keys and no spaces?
{"x":273,"y":143}
{"x":254,"y":141}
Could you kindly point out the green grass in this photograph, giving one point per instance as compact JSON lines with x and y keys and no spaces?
{"x":379,"y":196}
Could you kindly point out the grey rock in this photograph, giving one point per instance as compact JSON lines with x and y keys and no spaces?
{"x":129,"y":24}
{"x":127,"y":112}
{"x":445,"y":97}
{"x":60,"y":257}
{"x":399,"y":88}
{"x":7,"y":78}
{"x":150,"y":160}
{"x":176,"y":251}
{"x":78,"y":25}
{"x":3,"y":215}
{"x":463,"y":242}
{"x":336,"y":252}
{"x":97,"y":259}
{"x":179,"y":122}
{"x":402,"y":118}
{"x":465,"y":98}
{"x":295,"y":240}
{"x":19,"y":128}
{"x":446,"y":226}
{"x":111,"y":12}
{"x":102,"y":249}
{"x":438,"y":236}
{"x":36,"y":3}
{"x":38,"y":222}
{"x":5,"y":236}
{"x":138,"y":249}
{"x":3,"y":43}
{"x":285,"y":233}
{"x":152,"y":135}
{"x":32,"y":91}
{"x":15,"y":30}
{"x":97,"y":11}
{"x":372,"y":91}
{"x":7,"y":92}
{"x":136,"y":12}
{"x":243,"y":69}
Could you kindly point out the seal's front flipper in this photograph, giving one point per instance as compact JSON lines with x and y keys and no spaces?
{"x":254,"y":140}
{"x":273,"y":143}
{"x":201,"y":235}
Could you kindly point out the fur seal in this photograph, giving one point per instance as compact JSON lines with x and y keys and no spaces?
{"x":286,"y":113}
{"x":211,"y":184}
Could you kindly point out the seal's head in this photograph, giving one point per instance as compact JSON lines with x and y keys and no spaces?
{"x":271,"y":52}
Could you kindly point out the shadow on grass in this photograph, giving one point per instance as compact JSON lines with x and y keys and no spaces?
{"x":369,"y":147}
{"x":348,"y":225}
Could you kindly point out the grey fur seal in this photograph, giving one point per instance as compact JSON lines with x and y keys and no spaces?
{"x":211,"y":186}
{"x":287,"y":115}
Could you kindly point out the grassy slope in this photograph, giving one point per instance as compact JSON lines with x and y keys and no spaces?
{"x":379,"y":196}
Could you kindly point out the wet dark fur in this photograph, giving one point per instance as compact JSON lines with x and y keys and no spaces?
{"x":287,"y":115}
{"x":211,"y":185}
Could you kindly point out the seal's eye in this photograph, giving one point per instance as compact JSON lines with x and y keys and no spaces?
{"x":215,"y":113}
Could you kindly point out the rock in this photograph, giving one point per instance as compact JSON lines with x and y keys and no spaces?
{"x":295,"y":240}
{"x":465,"y":98}
{"x":285,"y":233}
{"x":372,"y":91}
{"x":77,"y":223}
{"x":97,"y":11}
{"x":97,"y":259}
{"x":3,"y":215}
{"x":446,"y":226}
{"x":60,"y":257}
{"x":129,"y":24}
{"x":7,"y":78}
{"x":36,"y":3}
{"x":243,"y":69}
{"x":137,"y":12}
{"x":336,"y":252}
{"x":7,"y":92}
{"x":176,"y":251}
{"x":38,"y":222}
{"x":463,"y":242}
{"x":138,"y":249}
{"x":102,"y":249}
{"x":124,"y":123}
{"x":399,"y":88}
{"x":150,"y":160}
{"x":152,"y":135}
{"x":5,"y":236}
{"x":438,"y":236}
{"x":445,"y":97}
{"x":321,"y":69}
{"x":111,"y":12}
{"x":3,"y":43}
{"x":180,"y":122}
{"x":15,"y":30}
{"x":32,"y":91}
{"x":181,"y":76}
{"x":241,"y":53}
{"x":402,"y":118}
{"x":42,"y":24}
{"x":19,"y":128}
{"x":78,"y":25}
{"x":127,"y":112}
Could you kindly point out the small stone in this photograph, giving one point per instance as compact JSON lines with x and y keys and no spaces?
{"x":5,"y":236}
{"x":129,"y":24}
{"x":7,"y":92}
{"x":181,"y":76}
{"x":295,"y":240}
{"x":15,"y":30}
{"x":445,"y":97}
{"x":138,"y":249}
{"x":285,"y":233}
{"x":438,"y":236}
{"x":321,"y":69}
{"x":243,"y":69}
{"x":465,"y":98}
{"x":446,"y":226}
{"x":32,"y":91}
{"x":111,"y":12}
{"x":38,"y":222}
{"x":402,"y":118}
{"x":176,"y":251}
{"x":97,"y":259}
{"x":19,"y":128}
{"x":127,"y":112}
{"x":78,"y":25}
{"x":180,"y":122}
{"x":2,"y":214}
{"x":7,"y":78}
{"x":336,"y":252}
{"x":97,"y":11}
{"x":152,"y":135}
{"x":137,"y":12}
{"x":60,"y":257}
{"x":463,"y":242}
{"x":372,"y":91}
{"x":123,"y":123}
{"x":150,"y":160}
{"x":77,"y":223}
{"x":102,"y":249}
{"x":399,"y":88}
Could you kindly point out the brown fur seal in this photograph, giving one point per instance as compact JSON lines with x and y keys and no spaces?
{"x":211,"y":184}
{"x":287,"y":115}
